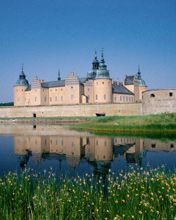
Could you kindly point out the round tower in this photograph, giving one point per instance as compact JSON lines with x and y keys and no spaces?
{"x":102,"y":84}
{"x":19,"y":89}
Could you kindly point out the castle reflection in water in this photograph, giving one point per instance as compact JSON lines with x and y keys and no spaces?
{"x":97,"y":151}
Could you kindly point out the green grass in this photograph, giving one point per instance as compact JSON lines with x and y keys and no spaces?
{"x":160,"y":125}
{"x":136,"y":195}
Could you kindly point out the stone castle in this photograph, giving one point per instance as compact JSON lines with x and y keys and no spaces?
{"x":96,"y":94}
{"x":96,"y":88}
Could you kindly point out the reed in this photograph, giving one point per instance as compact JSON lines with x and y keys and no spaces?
{"x":138,"y":194}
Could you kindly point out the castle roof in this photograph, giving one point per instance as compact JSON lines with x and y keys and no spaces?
{"x":22,"y":81}
{"x":129,"y":80}
{"x":120,"y":89}
{"x":58,"y":83}
{"x":135,"y":79}
{"x":102,"y":71}
{"x":53,"y":84}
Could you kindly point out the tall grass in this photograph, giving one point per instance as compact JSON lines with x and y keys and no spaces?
{"x":136,"y":195}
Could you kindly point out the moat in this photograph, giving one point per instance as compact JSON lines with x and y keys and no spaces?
{"x":73,"y":153}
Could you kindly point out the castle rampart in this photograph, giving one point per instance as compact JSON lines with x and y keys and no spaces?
{"x":72,"y":110}
{"x":159,"y":101}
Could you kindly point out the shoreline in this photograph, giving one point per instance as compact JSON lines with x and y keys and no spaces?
{"x":161,"y":125}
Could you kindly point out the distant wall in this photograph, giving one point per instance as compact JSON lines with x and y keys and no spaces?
{"x":72,"y":110}
{"x":159,"y":101}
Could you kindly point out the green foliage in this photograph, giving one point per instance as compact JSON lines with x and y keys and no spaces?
{"x":136,"y":195}
{"x":7,"y":104}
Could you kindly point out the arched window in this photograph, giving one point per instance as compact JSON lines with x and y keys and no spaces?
{"x":152,"y":95}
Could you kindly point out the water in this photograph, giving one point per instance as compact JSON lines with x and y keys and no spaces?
{"x":75,"y":153}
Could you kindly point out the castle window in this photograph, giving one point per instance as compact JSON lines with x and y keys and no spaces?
{"x":61,"y":98}
{"x":72,"y":96}
{"x":104,"y":97}
{"x":97,"y":83}
{"x":50,"y":99}
{"x":71,"y":87}
{"x":170,"y":94}
{"x":126,"y":98}
{"x":96,"y":97}
{"x":56,"y":98}
{"x":152,"y":95}
{"x":35,"y":99}
{"x":153,"y":145}
{"x":171,"y":145}
{"x":102,"y":82}
{"x":88,"y":89}
{"x":120,"y":98}
{"x":45,"y":98}
{"x":55,"y":89}
{"x":61,"y":89}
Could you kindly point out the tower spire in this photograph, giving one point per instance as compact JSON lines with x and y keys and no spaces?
{"x":139,"y":71}
{"x":22,"y":69}
{"x":59,"y":78}
{"x":102,"y":56}
{"x":95,"y":54}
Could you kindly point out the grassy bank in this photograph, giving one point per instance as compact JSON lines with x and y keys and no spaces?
{"x":158,"y":125}
{"x":136,"y":195}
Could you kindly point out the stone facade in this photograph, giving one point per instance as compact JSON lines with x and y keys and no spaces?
{"x":159,"y":101}
{"x":72,"y":110}
{"x":96,"y":88}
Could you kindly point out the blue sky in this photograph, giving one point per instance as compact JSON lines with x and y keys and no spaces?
{"x":47,"y":35}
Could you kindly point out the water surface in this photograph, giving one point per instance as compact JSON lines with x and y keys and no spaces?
{"x":75,"y":153}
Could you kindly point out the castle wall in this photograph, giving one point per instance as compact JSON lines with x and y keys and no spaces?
{"x":103,"y":91}
{"x":122,"y":98}
{"x":138,"y":90}
{"x":159,"y":101}
{"x":72,"y":110}
{"x":73,"y":94}
{"x":89,"y":91}
{"x":130,"y":87}
{"x":33,"y":97}
{"x":19,"y":95}
{"x":57,"y":95}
